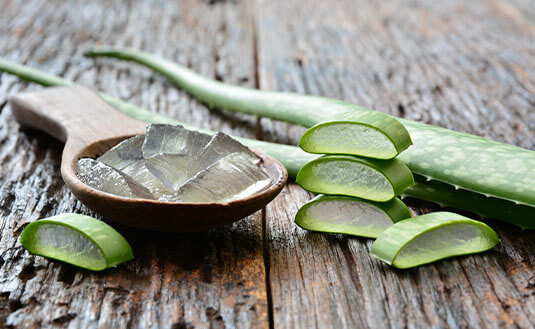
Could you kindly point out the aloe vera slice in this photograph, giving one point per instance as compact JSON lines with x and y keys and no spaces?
{"x":347,"y":215}
{"x":77,"y":239}
{"x":376,"y":180}
{"x":368,"y":134}
{"x":431,"y":237}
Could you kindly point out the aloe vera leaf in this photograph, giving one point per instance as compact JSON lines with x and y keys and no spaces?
{"x":379,"y":135}
{"x":427,"y":238}
{"x":371,"y":179}
{"x":347,"y":215}
{"x":462,"y":160}
{"x":77,"y":239}
{"x":292,"y":157}
{"x":485,"y":207}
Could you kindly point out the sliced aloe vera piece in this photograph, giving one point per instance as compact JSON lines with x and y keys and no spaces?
{"x":376,"y":180}
{"x":431,"y":237}
{"x":77,"y":239}
{"x":368,"y":134}
{"x":347,"y":215}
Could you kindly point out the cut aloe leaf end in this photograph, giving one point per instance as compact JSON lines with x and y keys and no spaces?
{"x":424,"y":239}
{"x":367,"y":134}
{"x":370,"y":179}
{"x":347,"y":215}
{"x":76,"y":239}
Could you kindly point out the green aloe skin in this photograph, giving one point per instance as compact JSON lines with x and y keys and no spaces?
{"x":428,"y":238}
{"x":347,"y":215}
{"x":371,"y":179}
{"x":294,"y":158}
{"x":486,"y":207}
{"x":77,"y":239}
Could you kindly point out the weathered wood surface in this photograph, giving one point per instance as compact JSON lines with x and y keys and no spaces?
{"x":213,"y":279}
{"x":463,"y":65}
{"x":468,"y":66}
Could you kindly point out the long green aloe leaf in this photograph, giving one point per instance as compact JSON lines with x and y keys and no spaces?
{"x":521,"y":215}
{"x":294,"y":158}
{"x":431,"y":237}
{"x":380,"y":136}
{"x":78,"y":240}
{"x":462,"y":160}
{"x":376,"y":180}
{"x":347,"y":215}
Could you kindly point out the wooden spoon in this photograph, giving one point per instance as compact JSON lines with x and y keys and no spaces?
{"x":89,"y":127}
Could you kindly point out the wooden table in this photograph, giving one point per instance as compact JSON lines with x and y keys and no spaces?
{"x":465,"y":65}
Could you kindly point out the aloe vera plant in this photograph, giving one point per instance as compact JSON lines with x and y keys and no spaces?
{"x":380,"y":136}
{"x":294,"y":158}
{"x":431,"y":237}
{"x":375,"y":180}
{"x":461,"y":160}
{"x":78,"y":240}
{"x":347,"y":215}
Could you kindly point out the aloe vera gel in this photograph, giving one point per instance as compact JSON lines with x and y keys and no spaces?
{"x":174,"y":164}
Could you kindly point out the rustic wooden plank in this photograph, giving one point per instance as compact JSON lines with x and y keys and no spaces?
{"x":213,"y":279}
{"x":463,"y":65}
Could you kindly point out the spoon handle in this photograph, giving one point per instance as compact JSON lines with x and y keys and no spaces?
{"x":74,"y":114}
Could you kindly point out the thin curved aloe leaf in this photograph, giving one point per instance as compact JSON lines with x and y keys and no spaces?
{"x":77,"y":239}
{"x":462,"y":160}
{"x":367,"y":133}
{"x":428,"y":238}
{"x":293,"y":157}
{"x":376,"y":180}
{"x":486,"y":207}
{"x":347,"y":215}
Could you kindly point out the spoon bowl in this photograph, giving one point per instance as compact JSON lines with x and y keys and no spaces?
{"x":89,"y":127}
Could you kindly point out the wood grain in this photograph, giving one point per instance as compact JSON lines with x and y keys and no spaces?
{"x":207,"y":280}
{"x":465,"y":65}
